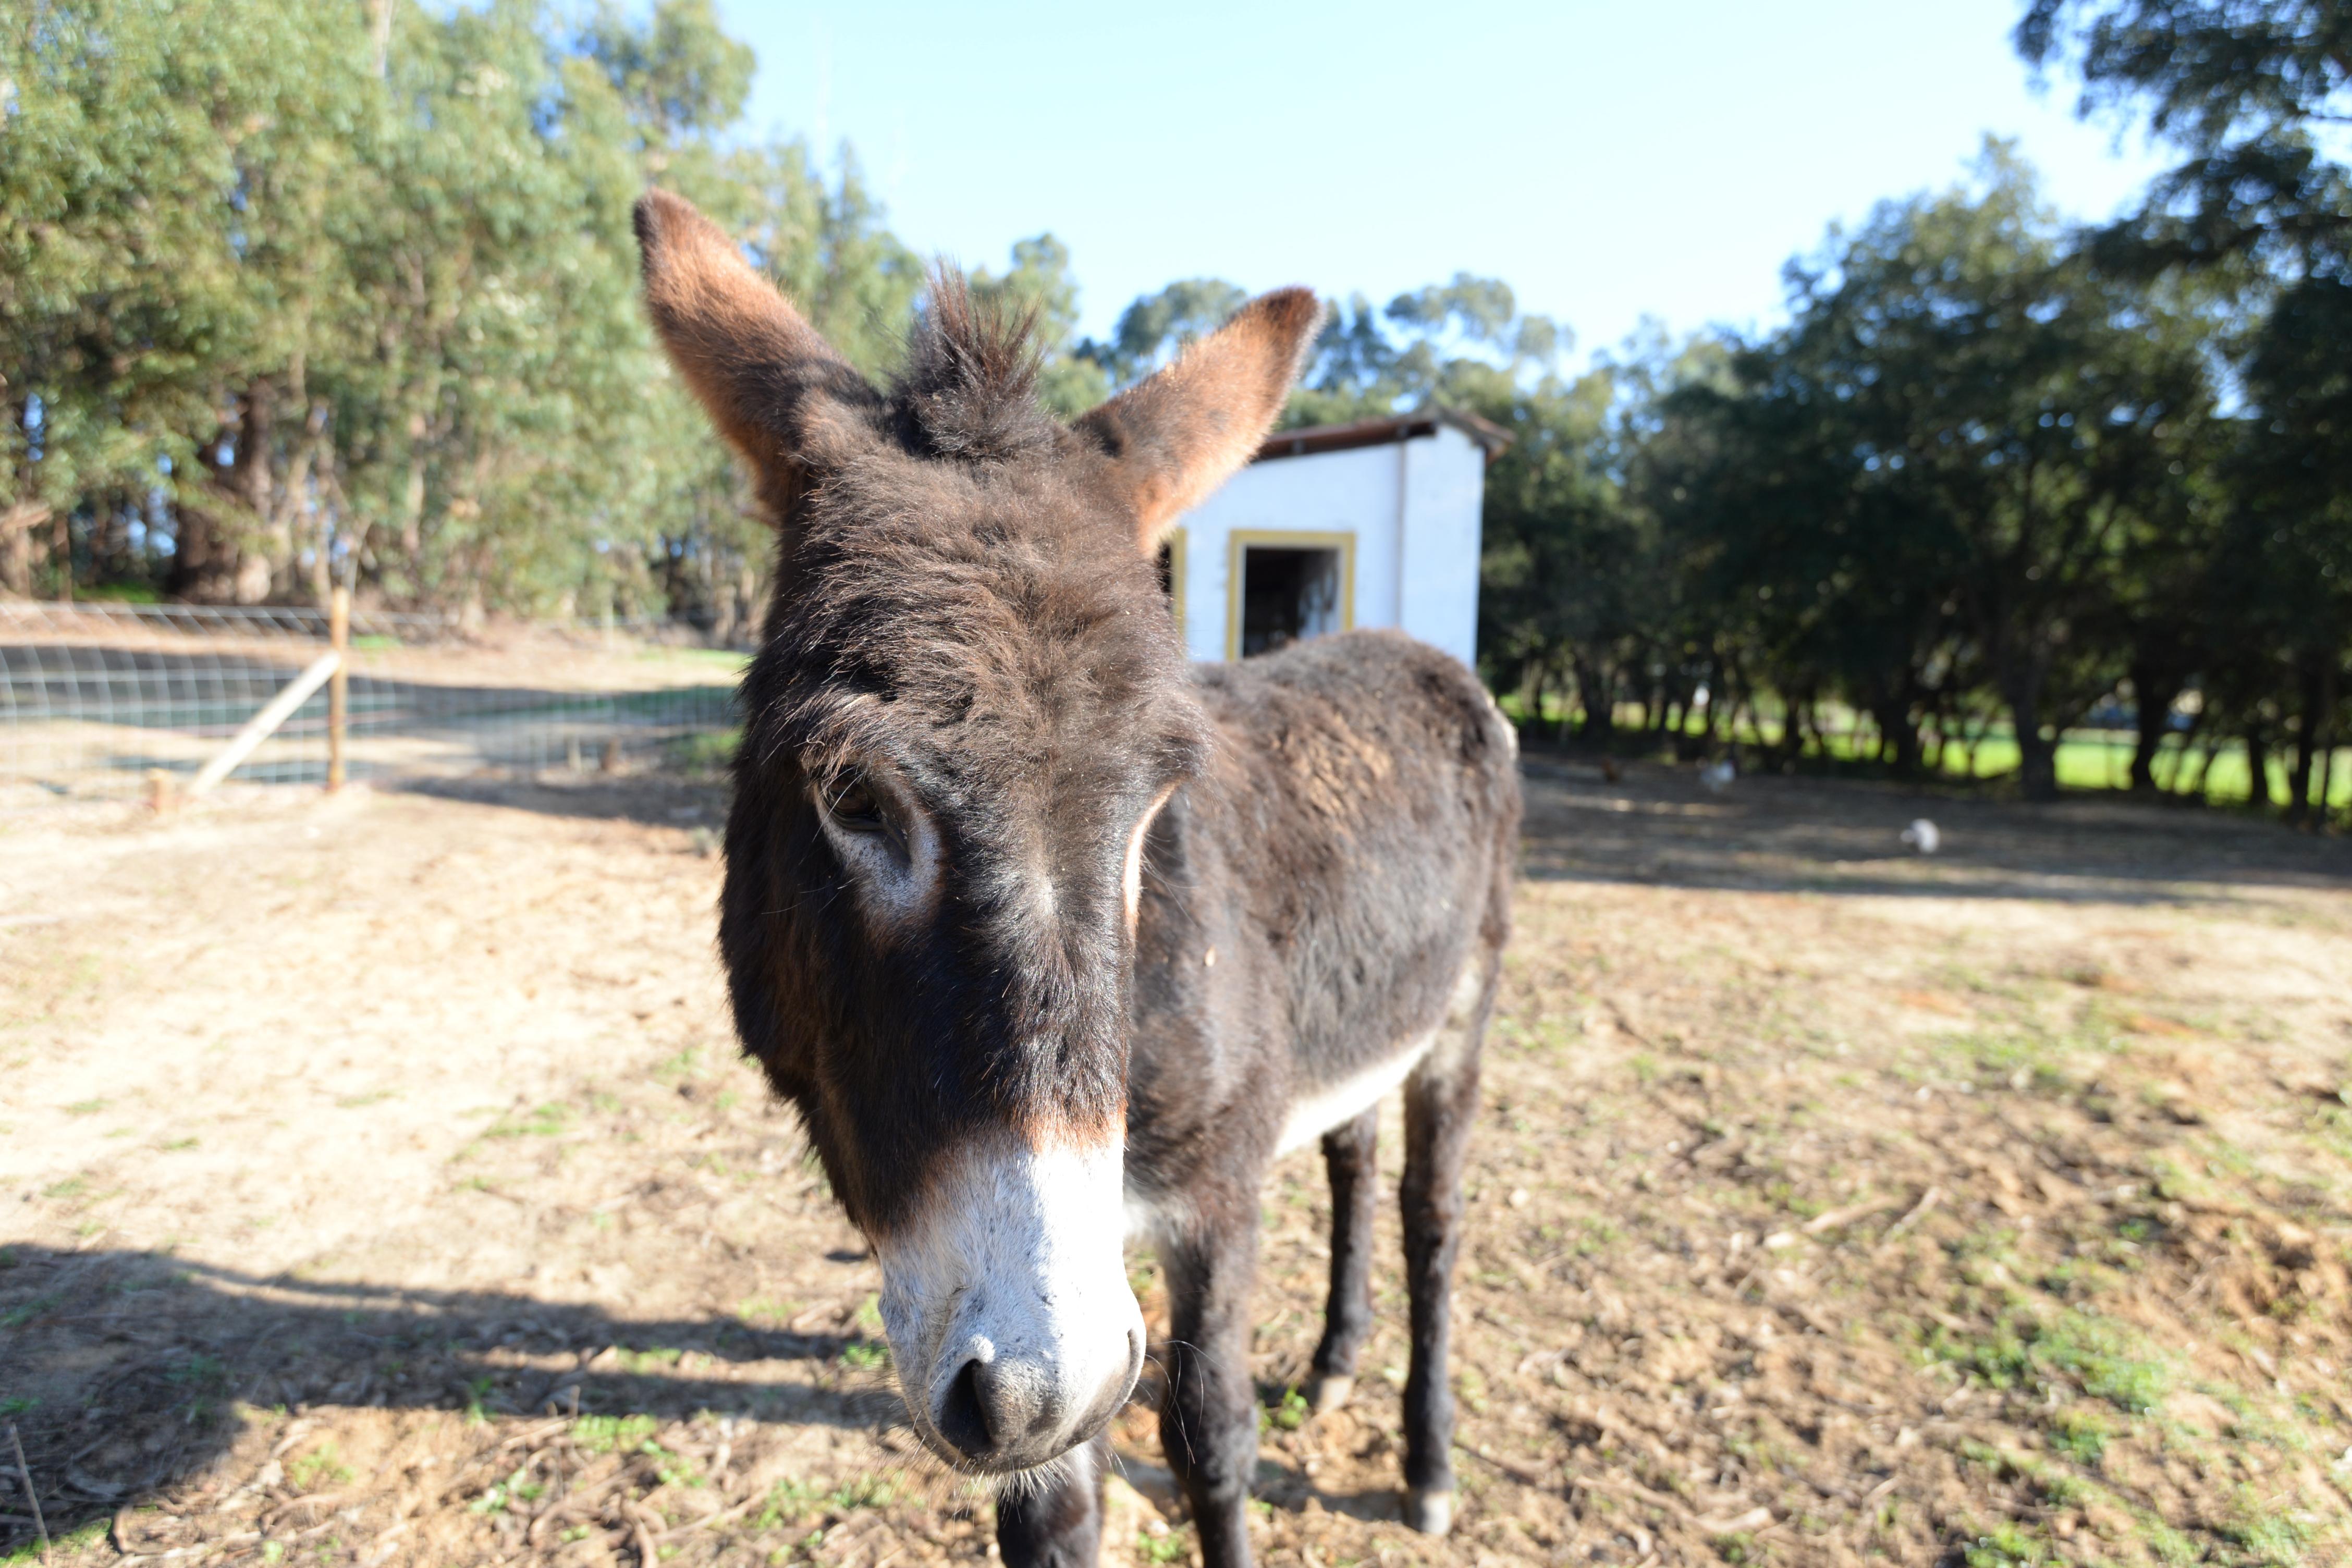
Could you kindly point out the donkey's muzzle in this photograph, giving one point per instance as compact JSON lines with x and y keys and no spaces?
{"x":1005,"y":1294}
{"x":1004,"y":1414}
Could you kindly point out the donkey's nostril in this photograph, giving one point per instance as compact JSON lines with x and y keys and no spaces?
{"x":963,"y":1420}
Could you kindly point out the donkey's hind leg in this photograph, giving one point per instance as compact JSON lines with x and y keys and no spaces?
{"x":1441,"y":1105}
{"x":1060,"y":1524}
{"x":1350,"y":1154}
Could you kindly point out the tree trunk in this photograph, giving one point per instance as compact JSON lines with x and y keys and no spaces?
{"x":2313,"y":688}
{"x":1599,"y":700}
{"x":2258,"y":764}
{"x":16,"y":526}
{"x":61,"y":553}
{"x":1898,"y":735}
{"x":211,"y":562}
{"x":2153,"y":692}
{"x":2037,"y":756}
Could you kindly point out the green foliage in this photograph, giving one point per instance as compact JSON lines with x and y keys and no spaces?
{"x":2254,"y":95}
{"x":282,"y":302}
{"x":1040,"y":286}
{"x":1170,"y":1546}
{"x":2064,"y":1347}
{"x":318,"y":1469}
{"x":2081,"y":1432}
{"x":1154,"y":328}
{"x":1290,"y":1411}
{"x":546,"y":1121}
{"x":612,"y":1434}
{"x":2006,"y":1545}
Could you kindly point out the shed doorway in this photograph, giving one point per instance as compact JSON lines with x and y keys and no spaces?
{"x":1288,"y":594}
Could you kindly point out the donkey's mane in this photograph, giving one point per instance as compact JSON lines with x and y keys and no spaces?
{"x":968,"y":388}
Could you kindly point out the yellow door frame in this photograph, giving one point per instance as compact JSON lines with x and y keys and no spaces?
{"x":1237,"y":546}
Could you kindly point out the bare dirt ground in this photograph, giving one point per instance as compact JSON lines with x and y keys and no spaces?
{"x":378,"y":1185}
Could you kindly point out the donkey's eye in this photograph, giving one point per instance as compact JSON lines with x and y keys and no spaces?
{"x":851,"y":803}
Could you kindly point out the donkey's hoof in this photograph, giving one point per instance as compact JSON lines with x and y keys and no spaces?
{"x":1327,"y":1391}
{"x":1432,"y":1513}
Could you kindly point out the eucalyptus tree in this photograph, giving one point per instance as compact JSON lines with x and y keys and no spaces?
{"x":1994,"y":388}
{"x":2256,"y":97}
{"x":289,"y":288}
{"x":162,"y":170}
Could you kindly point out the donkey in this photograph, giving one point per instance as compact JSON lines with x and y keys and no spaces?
{"x":1053,"y":940}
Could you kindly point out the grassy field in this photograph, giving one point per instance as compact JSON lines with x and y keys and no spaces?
{"x":2088,"y":759}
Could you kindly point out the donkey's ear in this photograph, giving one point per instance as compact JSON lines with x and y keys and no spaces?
{"x":772,"y":386}
{"x":1178,"y":435}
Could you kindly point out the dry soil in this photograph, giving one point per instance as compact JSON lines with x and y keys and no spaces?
{"x":378,"y":1184}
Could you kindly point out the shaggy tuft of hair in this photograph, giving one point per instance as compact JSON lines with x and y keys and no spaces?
{"x":969,"y":390}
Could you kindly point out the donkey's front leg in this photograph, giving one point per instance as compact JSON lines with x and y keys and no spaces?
{"x":1208,"y":1425}
{"x":1441,"y":1104}
{"x":1350,"y":1157}
{"x":1060,"y":1524}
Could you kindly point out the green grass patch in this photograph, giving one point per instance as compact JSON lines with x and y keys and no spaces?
{"x":319,"y":1469}
{"x":2008,"y":1545}
{"x":1170,"y":1546}
{"x":2101,"y":1358}
{"x":708,"y":751}
{"x":1290,"y":1412}
{"x":73,"y":1541}
{"x":547,"y":1121}
{"x":766,"y":1310}
{"x":2081,"y":1432}
{"x":612,"y":1434}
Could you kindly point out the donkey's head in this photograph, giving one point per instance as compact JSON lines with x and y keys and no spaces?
{"x":969,"y":705}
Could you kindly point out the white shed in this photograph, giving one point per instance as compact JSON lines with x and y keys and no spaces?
{"x":1370,"y":524}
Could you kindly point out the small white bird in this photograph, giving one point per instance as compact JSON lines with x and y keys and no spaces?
{"x":1718,"y":776}
{"x":1922,"y":835}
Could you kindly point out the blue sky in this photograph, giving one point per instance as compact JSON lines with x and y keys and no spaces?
{"x":1607,"y":160}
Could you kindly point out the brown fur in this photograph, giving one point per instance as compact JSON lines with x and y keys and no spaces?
{"x":1180,"y":435}
{"x":966,"y":630}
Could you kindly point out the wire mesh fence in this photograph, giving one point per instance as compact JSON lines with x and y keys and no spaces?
{"x":95,"y":697}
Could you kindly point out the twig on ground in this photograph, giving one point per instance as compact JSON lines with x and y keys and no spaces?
{"x":1927,"y":1200}
{"x":1834,"y":1218}
{"x":534,"y":1434}
{"x":711,"y":1520}
{"x":32,"y":1497}
{"x":1755,"y":1519}
{"x":647,"y":1555}
{"x":1525,"y":1478}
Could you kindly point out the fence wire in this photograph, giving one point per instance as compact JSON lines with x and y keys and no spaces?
{"x":93,"y":698}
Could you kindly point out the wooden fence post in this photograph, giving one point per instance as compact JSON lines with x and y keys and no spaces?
{"x":339,"y":636}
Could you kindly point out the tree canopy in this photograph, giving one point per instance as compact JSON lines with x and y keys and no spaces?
{"x":293,"y":289}
{"x":297,"y":292}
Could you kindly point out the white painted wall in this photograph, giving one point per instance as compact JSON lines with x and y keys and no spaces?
{"x":1412,"y":507}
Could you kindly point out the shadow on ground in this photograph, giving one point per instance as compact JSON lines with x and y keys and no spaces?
{"x":1762,"y":834}
{"x":650,"y":799}
{"x":125,"y":1372}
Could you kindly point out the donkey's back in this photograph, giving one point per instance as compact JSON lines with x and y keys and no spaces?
{"x":1322,"y":919}
{"x":1348,"y":863}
